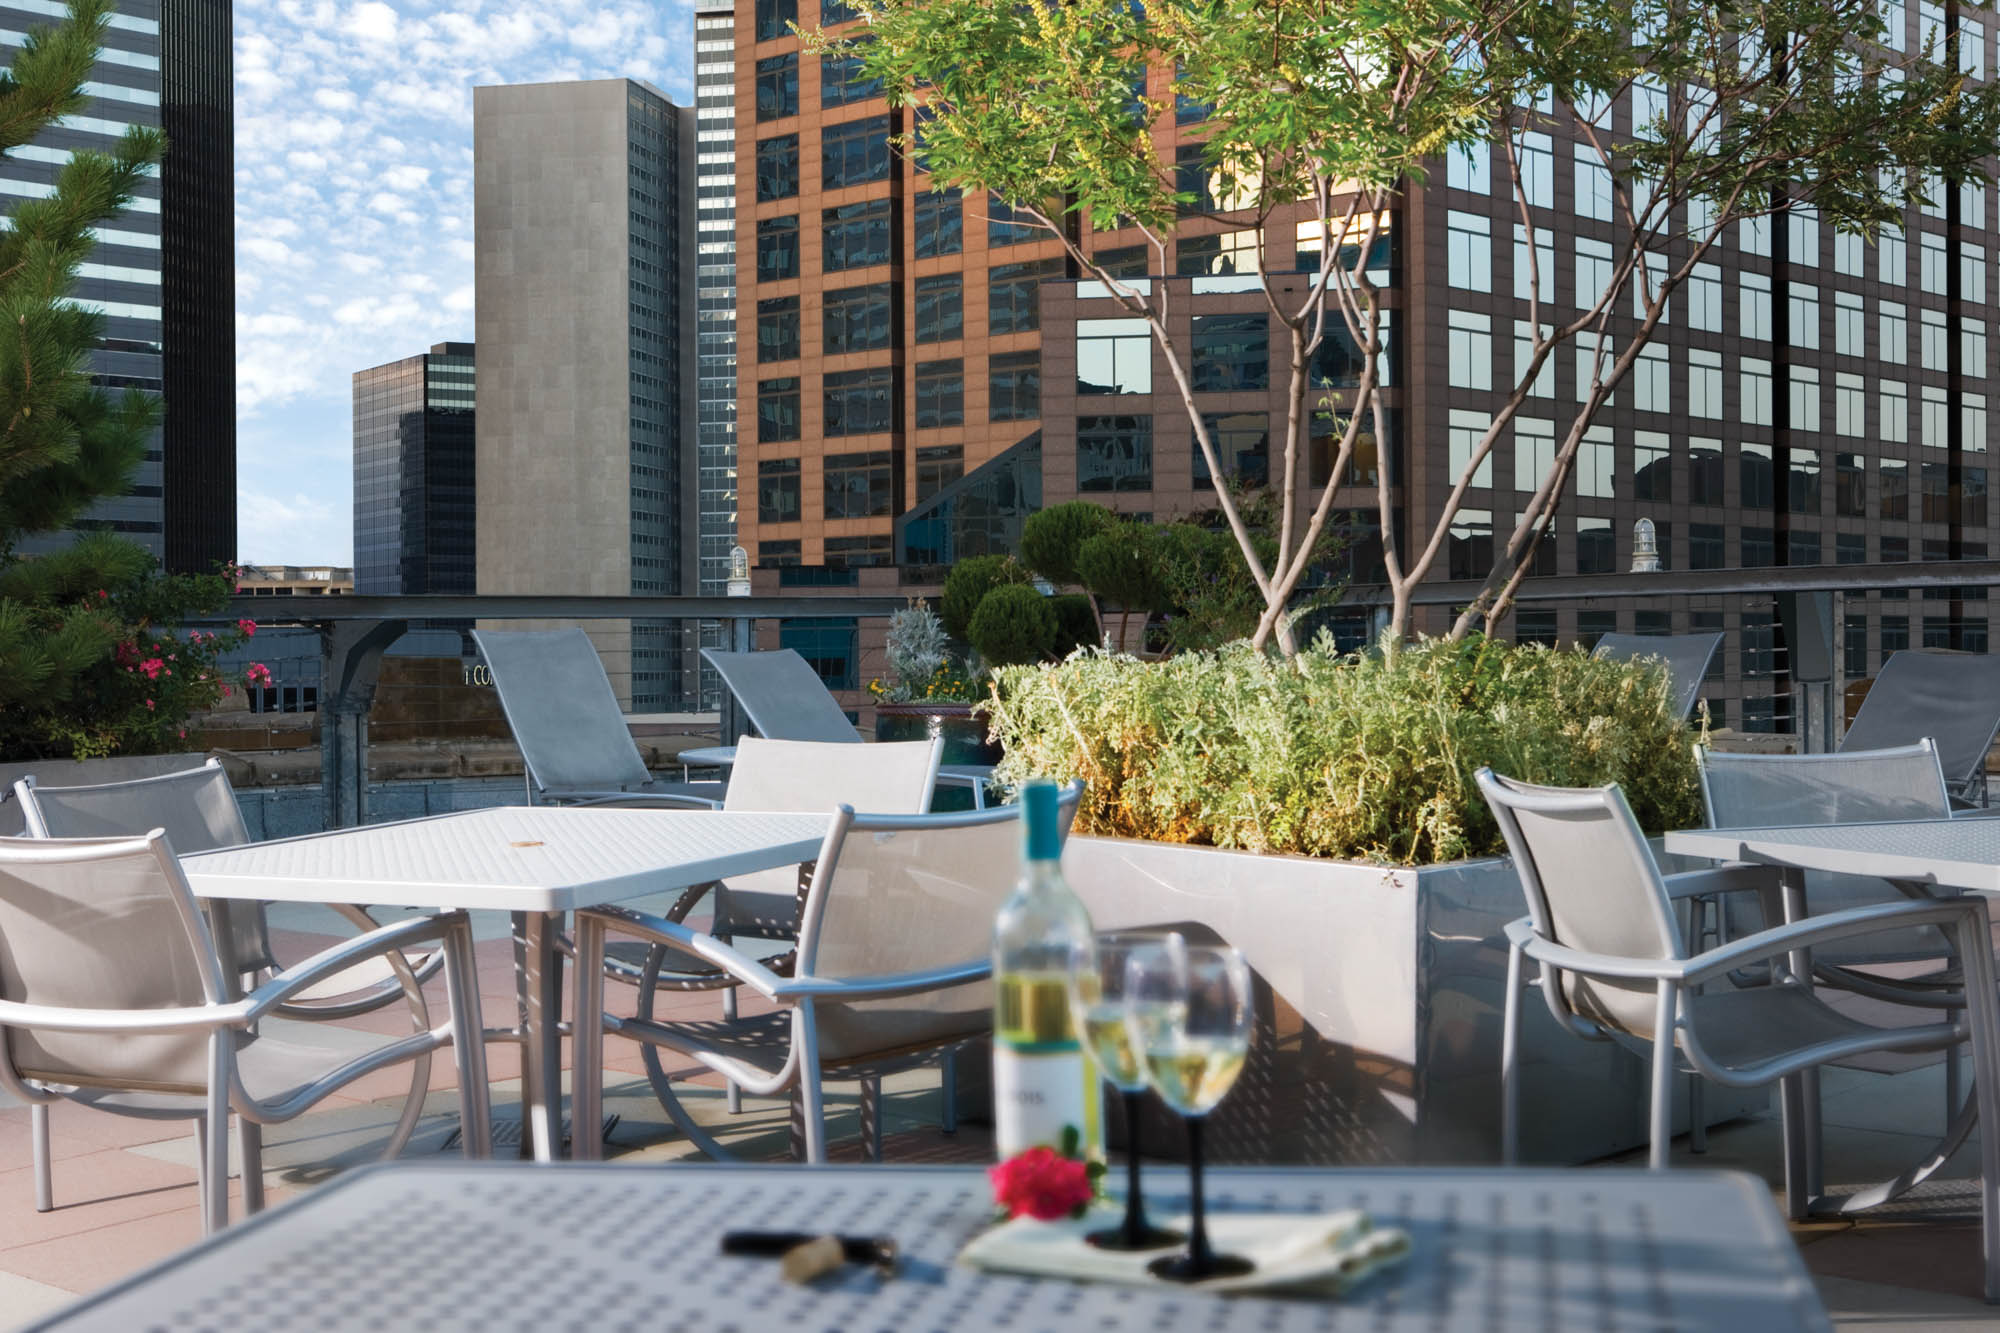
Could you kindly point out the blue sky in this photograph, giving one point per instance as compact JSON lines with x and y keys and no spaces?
{"x":354,"y":211}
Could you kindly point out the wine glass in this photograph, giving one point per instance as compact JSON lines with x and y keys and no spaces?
{"x":1097,"y":1000}
{"x":1188,"y":1009}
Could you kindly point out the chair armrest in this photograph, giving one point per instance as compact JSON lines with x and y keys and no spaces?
{"x":677,"y":800}
{"x":344,"y":955}
{"x":1815,"y":930}
{"x":1977,"y":812}
{"x":61,"y":1018}
{"x":875,"y":988}
{"x":699,"y":943}
{"x":1735,"y":877}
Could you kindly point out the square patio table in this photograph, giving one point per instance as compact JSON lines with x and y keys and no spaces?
{"x":537,"y":862}
{"x":493,"y":1246}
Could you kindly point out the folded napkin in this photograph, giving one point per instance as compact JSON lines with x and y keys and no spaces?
{"x":1326,"y":1253}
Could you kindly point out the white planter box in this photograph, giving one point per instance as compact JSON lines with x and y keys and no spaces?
{"x":1379,"y":1036}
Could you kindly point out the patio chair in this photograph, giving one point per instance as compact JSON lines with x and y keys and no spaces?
{"x":1686,"y":656}
{"x":895,"y":952}
{"x":574,"y":743}
{"x":112,"y":994}
{"x":1612,"y":964}
{"x":785,"y":700}
{"x":1950,"y":699}
{"x":197,"y":809}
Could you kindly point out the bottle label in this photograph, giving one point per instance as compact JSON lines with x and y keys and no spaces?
{"x":1037,"y":1096}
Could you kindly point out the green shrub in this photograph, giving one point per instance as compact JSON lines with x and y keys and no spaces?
{"x":1050,"y":538}
{"x":1342,"y":756}
{"x":1076,"y":623}
{"x":967,"y":585}
{"x":1013,"y":625}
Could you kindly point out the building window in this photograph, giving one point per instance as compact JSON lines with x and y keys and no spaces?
{"x":1544,"y":385}
{"x":836,"y":11}
{"x":1972,"y":272}
{"x":1187,"y":110}
{"x":1192,"y":177}
{"x":777,"y":410}
{"x":1934,"y":479}
{"x":940,"y":394}
{"x":1593,"y":271}
{"x":830,"y":646}
{"x":1753,"y":306}
{"x":1014,"y":386}
{"x":857,"y":552}
{"x":1933,"y":263}
{"x":778,"y":167}
{"x":1850,"y":548}
{"x":856,"y":319}
{"x":1850,"y":254}
{"x":940,"y":224}
{"x":777,"y":248}
{"x":842,"y":80}
{"x":1895,"y":406}
{"x":1972,"y":349}
{"x":1242,"y":443}
{"x":1972,"y":421}
{"x":1652,"y":380}
{"x":1894,"y":498}
{"x":1849,"y":325}
{"x":1593,"y":185}
{"x":854,"y":235}
{"x":1232,"y":353}
{"x":1754,"y":476}
{"x":1804,"y":305}
{"x":773,"y":18}
{"x":1652,"y":468}
{"x":1467,"y":430}
{"x":1534,"y":266}
{"x":1753,"y":234}
{"x":1805,"y":399}
{"x":1704,"y":472}
{"x":1936,"y":418}
{"x":1534,"y":452}
{"x":1596,"y":353}
{"x":854,"y":153}
{"x":1469,"y":251}
{"x":1935,"y":337}
{"x":1802,"y":484}
{"x":778,"y":490}
{"x":940,"y":308}
{"x":1892,"y":256}
{"x":778,"y":329}
{"x":1596,"y":546}
{"x":778,"y":86}
{"x":1470,"y":339}
{"x":1196,"y":256}
{"x":1704,"y":298}
{"x":1114,"y":453}
{"x":1705,"y":550}
{"x":1537,"y":159}
{"x":1759,"y":551}
{"x":778,"y":555}
{"x":858,"y":402}
{"x":1850,"y":486}
{"x":1895,"y":324}
{"x":938,"y":466}
{"x":1114,"y":356}
{"x":1006,"y":227}
{"x":1469,"y":544}
{"x":1802,"y":235}
{"x":1013,"y":294}
{"x":1755,"y":387}
{"x":1536,"y":626}
{"x":1850,"y":404}
{"x":859,"y":485}
{"x":1470,"y":168}
{"x":1125,"y":261}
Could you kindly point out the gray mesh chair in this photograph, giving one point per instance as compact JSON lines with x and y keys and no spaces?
{"x":895,"y":952}
{"x":1686,"y":656}
{"x":574,"y":742}
{"x":1950,"y":699}
{"x":785,"y":700}
{"x":197,"y":809}
{"x":1612,"y":964}
{"x":112,"y":994}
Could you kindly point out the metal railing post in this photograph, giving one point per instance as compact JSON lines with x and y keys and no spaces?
{"x":351,"y":663}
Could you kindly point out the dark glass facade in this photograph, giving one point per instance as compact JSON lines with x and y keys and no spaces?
{"x":414,"y":478}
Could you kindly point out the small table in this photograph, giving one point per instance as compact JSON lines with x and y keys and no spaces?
{"x":537,"y":862}
{"x":974,"y":776}
{"x":494,"y":1246}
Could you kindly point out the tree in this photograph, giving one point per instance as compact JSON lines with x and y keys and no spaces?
{"x":89,"y":661}
{"x":1328,"y":113}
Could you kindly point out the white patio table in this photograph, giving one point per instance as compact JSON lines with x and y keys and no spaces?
{"x":537,"y":862}
{"x":492,"y":1246}
{"x":1924,"y":858}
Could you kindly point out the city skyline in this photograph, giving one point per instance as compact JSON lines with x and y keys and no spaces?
{"x":354,"y":212}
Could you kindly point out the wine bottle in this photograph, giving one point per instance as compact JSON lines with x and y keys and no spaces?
{"x":1043,"y":1087}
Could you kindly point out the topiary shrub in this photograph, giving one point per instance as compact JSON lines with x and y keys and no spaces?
{"x":1354,"y":757}
{"x":1076,"y":624}
{"x":1014,"y":624}
{"x":967,"y":585}
{"x":1122,"y":566}
{"x":1051,"y":538}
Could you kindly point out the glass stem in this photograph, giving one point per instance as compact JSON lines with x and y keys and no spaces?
{"x":1135,"y":1211}
{"x":1200,"y":1257}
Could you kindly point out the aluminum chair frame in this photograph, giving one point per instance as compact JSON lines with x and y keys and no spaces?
{"x":1951,"y":698}
{"x":575,"y":746}
{"x":224,"y":1018}
{"x":1675,"y":1038}
{"x":1686,"y":657}
{"x":220,"y":824}
{"x":803,"y":1069}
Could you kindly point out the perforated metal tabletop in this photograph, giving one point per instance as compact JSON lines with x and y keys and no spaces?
{"x":1955,"y":854}
{"x":611,"y":1249}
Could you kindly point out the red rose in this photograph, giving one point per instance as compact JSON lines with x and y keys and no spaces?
{"x":1040,"y":1183}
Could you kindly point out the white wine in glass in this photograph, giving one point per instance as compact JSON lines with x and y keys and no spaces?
{"x":1097,"y":998}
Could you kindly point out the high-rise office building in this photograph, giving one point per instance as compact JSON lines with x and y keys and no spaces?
{"x":163,"y":272}
{"x":924,"y":373}
{"x":587,"y":475}
{"x":414,"y":496}
{"x":715,"y":299}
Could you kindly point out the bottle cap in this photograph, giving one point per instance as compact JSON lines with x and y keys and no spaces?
{"x":1041,"y":819}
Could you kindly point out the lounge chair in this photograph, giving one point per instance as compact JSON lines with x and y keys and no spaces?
{"x":1950,"y":699}
{"x":1686,"y":656}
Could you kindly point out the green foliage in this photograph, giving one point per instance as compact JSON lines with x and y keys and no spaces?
{"x":1122,"y":565}
{"x":1356,"y":757}
{"x":1013,"y":625}
{"x":967,"y":585}
{"x":1076,"y":624}
{"x":90,"y":662}
{"x":1051,"y":538}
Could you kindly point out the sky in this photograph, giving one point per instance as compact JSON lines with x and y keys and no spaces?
{"x":354,"y":211}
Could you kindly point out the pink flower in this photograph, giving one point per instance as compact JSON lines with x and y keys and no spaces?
{"x":152,"y":666}
{"x":102,"y":595}
{"x":149,"y":703}
{"x":249,"y":627}
{"x":226,"y":690}
{"x":182,"y":733}
{"x":257,"y":674}
{"x":1041,"y":1184}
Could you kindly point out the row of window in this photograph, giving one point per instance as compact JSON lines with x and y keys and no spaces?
{"x":852,"y":485}
{"x":862,"y":402}
{"x":842,"y":82}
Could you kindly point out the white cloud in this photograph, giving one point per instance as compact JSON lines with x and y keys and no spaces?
{"x":373,"y":22}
